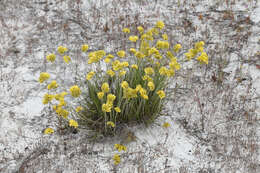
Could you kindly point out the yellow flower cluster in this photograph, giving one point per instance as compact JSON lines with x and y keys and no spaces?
{"x":140,"y":29}
{"x":162,"y":44}
{"x":79,"y":108}
{"x":165,"y":36}
{"x":177,"y":48}
{"x":48,"y":131}
{"x":161,"y":94}
{"x":111,"y":124}
{"x":111,"y":73}
{"x":203,"y":58}
{"x":73,"y":123}
{"x":47,"y":98}
{"x":52,"y":85}
{"x":121,"y":54}
{"x":75,"y":91}
{"x":51,"y":57}
{"x":96,"y":56}
{"x":105,"y":87}
{"x":120,"y":147}
{"x":62,"y":50}
{"x":84,"y":48}
{"x":90,"y":75}
{"x":126,"y":30}
{"x":67,"y":59}
{"x":160,"y":24}
{"x":133,"y":38}
{"x":43,"y":77}
{"x":116,"y":159}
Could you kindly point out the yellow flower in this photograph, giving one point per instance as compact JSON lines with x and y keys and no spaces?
{"x":133,"y":38}
{"x":177,"y":48}
{"x":110,"y":56}
{"x":161,"y":94}
{"x":122,"y":73}
{"x":139,"y":55}
{"x":120,"y":147}
{"x":100,"y":95}
{"x":130,"y":93}
{"x":135,"y":66}
{"x":191,"y":54}
{"x":62,"y":49}
{"x":149,"y":70}
{"x":110,"y":123}
{"x":62,"y":112}
{"x":203,"y":58}
{"x":163,"y":70}
{"x":143,"y":93}
{"x":47,"y":98}
{"x":162,"y":44}
{"x":52,"y":85}
{"x":79,"y":108}
{"x":105,"y":87}
{"x":166,"y":125}
{"x":84,"y":48}
{"x":111,"y":98}
{"x":43,"y":77}
{"x":67,"y":59}
{"x":138,"y":87}
{"x":117,"y":109}
{"x":165,"y":36}
{"x":199,"y":46}
{"x":111,"y":73}
{"x":51,"y":57}
{"x":148,"y":78}
{"x":75,"y":91}
{"x":151,"y":86}
{"x":170,"y":72}
{"x":125,"y":64}
{"x":160,"y":24}
{"x":124,"y":85}
{"x":132,"y":50}
{"x":48,"y":131}
{"x":116,"y":65}
{"x":90,"y":75}
{"x":121,"y":53}
{"x":126,"y":30}
{"x":107,"y":60}
{"x":140,"y":29}
{"x":116,"y":159}
{"x":106,"y":107}
{"x":73,"y":123}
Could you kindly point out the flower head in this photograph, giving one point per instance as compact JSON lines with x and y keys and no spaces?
{"x":140,"y":29}
{"x":151,"y":86}
{"x":134,"y":66}
{"x":160,"y":24}
{"x":90,"y":75}
{"x":203,"y":58}
{"x":124,"y":85}
{"x":75,"y":91}
{"x":133,"y":38}
{"x":79,"y":108}
{"x":111,"y":98}
{"x":120,"y":147}
{"x":43,"y":77}
{"x":62,"y":49}
{"x":100,"y":95}
{"x":165,"y":36}
{"x":73,"y":123}
{"x":166,"y":125}
{"x":84,"y":48}
{"x":110,"y":123}
{"x":67,"y":59}
{"x":105,"y":87}
{"x":126,"y":30}
{"x":149,"y":70}
{"x":52,"y":85}
{"x":161,"y":94}
{"x":111,"y":73}
{"x":51,"y":57}
{"x":117,"y":109}
{"x":47,"y":98}
{"x":48,"y":131}
{"x":116,"y":159}
{"x":121,"y":53}
{"x":106,"y":107}
{"x":177,"y":47}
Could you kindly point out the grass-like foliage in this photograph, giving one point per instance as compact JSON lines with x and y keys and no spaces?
{"x":123,"y":86}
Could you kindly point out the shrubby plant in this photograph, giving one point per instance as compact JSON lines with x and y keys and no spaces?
{"x":130,"y":88}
